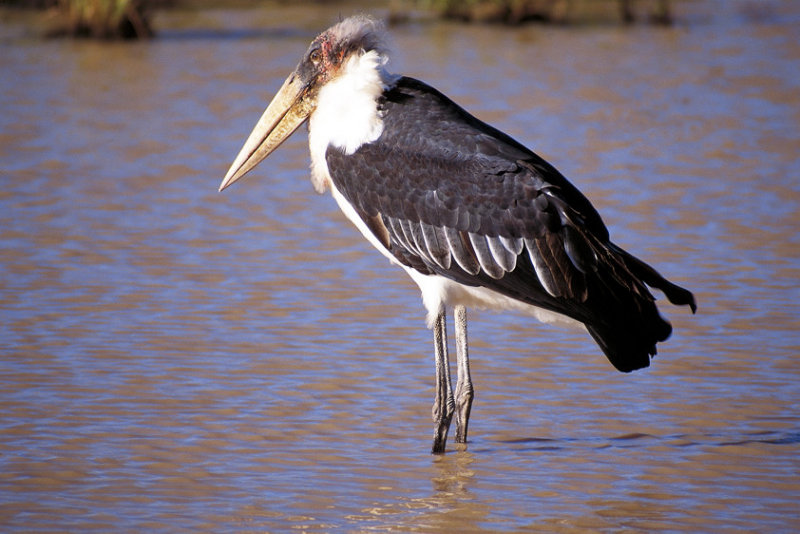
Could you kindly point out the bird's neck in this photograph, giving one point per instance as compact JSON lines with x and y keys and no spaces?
{"x":347,"y":114}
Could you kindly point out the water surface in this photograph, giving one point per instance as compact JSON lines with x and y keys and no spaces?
{"x":178,"y":359}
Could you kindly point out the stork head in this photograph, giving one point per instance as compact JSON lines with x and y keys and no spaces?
{"x":296,"y":100}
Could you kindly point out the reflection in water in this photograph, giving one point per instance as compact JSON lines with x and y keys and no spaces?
{"x":180,"y":359}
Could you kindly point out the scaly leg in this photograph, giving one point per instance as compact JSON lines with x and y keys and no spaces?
{"x":464,"y":391}
{"x":443,"y":404}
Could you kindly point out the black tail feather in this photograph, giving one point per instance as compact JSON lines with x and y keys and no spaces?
{"x":631,"y":325}
{"x":674,"y":293}
{"x":629,"y":349}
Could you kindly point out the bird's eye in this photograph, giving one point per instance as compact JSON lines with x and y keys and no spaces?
{"x":315,"y":56}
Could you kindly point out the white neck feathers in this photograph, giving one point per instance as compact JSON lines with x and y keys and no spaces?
{"x":346,"y":115}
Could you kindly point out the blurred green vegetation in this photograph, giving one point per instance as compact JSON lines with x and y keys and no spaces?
{"x":98,"y":19}
{"x":558,"y":11}
{"x":130,"y":19}
{"x":104,"y":19}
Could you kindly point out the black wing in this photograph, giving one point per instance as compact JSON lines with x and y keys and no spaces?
{"x":448,"y":194}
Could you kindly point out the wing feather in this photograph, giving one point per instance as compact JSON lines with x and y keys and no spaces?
{"x":512,"y":244}
{"x":504,"y":257}
{"x":462,"y":251}
{"x":398,"y":235}
{"x":436,"y":244}
{"x":485,"y":256}
{"x":415,"y":230}
{"x":546,"y":277}
{"x":408,"y":234}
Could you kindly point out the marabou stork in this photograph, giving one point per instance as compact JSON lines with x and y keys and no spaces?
{"x":473,"y":217}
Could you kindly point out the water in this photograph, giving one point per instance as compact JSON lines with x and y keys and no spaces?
{"x":178,"y":359}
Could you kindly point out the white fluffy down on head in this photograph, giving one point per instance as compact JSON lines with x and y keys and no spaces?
{"x":362,"y":29}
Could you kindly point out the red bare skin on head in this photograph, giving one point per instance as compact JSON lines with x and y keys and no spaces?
{"x":327,"y":49}
{"x":333,"y":52}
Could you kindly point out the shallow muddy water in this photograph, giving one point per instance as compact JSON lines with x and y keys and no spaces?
{"x":172,"y":358}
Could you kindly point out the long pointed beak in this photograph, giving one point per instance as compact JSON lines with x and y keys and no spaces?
{"x":287,"y":111}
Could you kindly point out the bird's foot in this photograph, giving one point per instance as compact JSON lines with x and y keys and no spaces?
{"x":442,"y":416}
{"x":463,"y":400}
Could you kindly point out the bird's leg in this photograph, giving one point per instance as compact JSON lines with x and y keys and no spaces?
{"x":443,"y":404}
{"x":464,"y":390}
